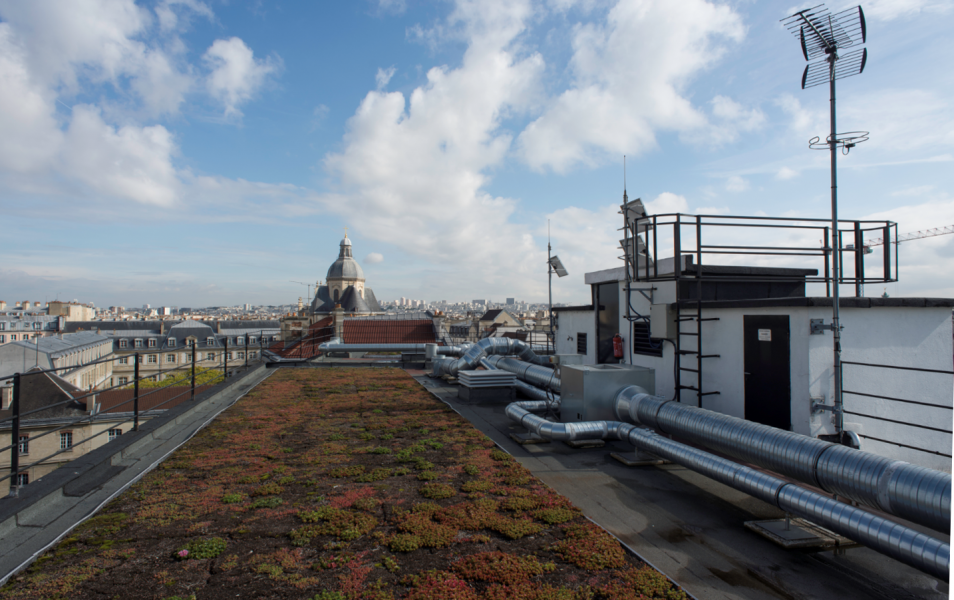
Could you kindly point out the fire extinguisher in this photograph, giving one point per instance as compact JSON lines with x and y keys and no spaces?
{"x":618,"y":346}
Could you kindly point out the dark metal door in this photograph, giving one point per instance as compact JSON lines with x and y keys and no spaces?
{"x":768,"y":372}
{"x":607,"y":321}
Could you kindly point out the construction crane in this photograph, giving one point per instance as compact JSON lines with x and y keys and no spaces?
{"x":915,"y":235}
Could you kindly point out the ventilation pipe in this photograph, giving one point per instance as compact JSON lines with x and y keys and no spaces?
{"x":551,"y":400}
{"x":908,"y":491}
{"x":892,"y":539}
{"x":536,"y":375}
{"x":484,"y":348}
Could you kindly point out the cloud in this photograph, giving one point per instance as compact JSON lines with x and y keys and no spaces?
{"x":174,"y":14}
{"x":130,"y":162}
{"x":736,"y":184}
{"x":667,"y":202}
{"x":786,"y":173}
{"x":888,"y":10}
{"x":236,"y":75}
{"x":629,"y":77}
{"x":919,"y":190}
{"x":415,"y":167}
{"x":729,"y":120}
{"x":384,"y":76}
{"x":374,"y":258}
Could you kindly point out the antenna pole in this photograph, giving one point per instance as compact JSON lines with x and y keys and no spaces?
{"x":835,"y":252}
{"x":550,"y":285}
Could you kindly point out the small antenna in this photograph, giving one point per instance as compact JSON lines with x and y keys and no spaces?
{"x":625,"y":197}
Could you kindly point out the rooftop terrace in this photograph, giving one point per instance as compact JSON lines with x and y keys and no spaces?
{"x":335,"y":484}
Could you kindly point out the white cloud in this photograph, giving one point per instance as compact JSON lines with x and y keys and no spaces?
{"x":786,"y":173}
{"x":729,"y":120}
{"x":736,"y":184}
{"x":236,"y":75}
{"x":384,"y":76}
{"x":629,"y":77}
{"x":374,"y":258}
{"x":919,"y":190}
{"x":130,"y":162}
{"x":887,"y":10}
{"x":414,"y":168}
{"x":667,"y":202}
{"x":170,"y":12}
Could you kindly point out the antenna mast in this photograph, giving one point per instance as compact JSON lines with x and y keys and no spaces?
{"x":822,"y":35}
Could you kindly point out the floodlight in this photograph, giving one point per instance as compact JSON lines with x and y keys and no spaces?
{"x":557,"y":266}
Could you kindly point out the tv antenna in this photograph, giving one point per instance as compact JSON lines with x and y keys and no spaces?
{"x":823,"y":36}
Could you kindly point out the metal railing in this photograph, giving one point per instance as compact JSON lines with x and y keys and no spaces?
{"x":944,"y":412}
{"x":223,"y":358}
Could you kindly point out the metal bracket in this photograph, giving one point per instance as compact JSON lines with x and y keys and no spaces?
{"x":818,"y":405}
{"x":818,"y":326}
{"x":643,"y":292}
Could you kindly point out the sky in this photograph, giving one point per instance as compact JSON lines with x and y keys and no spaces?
{"x":192,"y":153}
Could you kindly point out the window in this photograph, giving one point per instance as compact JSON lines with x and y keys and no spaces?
{"x":642,"y":344}
{"x":114,"y":433}
{"x":124,"y":360}
{"x":170,"y":358}
{"x":123,"y":343}
{"x":37,"y":325}
{"x":581,"y":343}
{"x":13,"y":337}
{"x":152,"y":342}
{"x":3,"y":326}
{"x":251,"y":340}
{"x":230,"y":356}
{"x":66,"y":440}
{"x":23,"y":478}
{"x":239,"y":341}
{"x":24,"y":444}
{"x":137,"y":343}
{"x":2,"y":339}
{"x":210,"y":341}
{"x":152,"y":359}
{"x":123,"y":380}
{"x":210,"y":356}
{"x":172,"y":342}
{"x":241,"y":355}
{"x":253,"y":354}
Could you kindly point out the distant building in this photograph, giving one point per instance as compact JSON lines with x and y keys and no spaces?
{"x":510,"y":302}
{"x":498,"y":317}
{"x":72,"y":353}
{"x":345,"y":286}
{"x":72,"y":311}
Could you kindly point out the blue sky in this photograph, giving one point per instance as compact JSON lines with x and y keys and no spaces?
{"x":206,"y":153}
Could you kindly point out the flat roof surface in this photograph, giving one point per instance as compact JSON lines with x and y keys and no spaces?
{"x":692,"y":528}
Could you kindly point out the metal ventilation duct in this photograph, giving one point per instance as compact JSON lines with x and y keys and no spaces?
{"x":483,"y":349}
{"x":908,"y":491}
{"x":892,"y":539}
{"x":542,"y":377}
{"x":550,"y":399}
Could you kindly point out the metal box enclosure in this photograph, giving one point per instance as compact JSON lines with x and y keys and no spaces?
{"x":662,"y":322}
{"x":560,"y":360}
{"x":588,"y":392}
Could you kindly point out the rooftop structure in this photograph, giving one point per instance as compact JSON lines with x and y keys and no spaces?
{"x":344,"y":287}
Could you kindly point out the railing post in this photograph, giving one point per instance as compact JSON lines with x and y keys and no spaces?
{"x":192,"y":396}
{"x":246,"y":350}
{"x":225,"y":359}
{"x":15,"y":433}
{"x":136,"y":393}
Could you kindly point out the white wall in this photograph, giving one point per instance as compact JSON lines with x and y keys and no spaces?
{"x":569,"y":324}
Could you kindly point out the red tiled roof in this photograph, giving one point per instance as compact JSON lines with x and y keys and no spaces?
{"x":113,"y":401}
{"x":379,"y":331}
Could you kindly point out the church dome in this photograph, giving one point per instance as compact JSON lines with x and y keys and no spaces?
{"x":345,"y":267}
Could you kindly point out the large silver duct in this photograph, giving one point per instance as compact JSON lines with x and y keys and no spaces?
{"x":336,"y":345}
{"x":908,"y":491}
{"x":542,"y":377}
{"x":551,"y":399}
{"x":484,"y":348}
{"x":892,"y":539}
